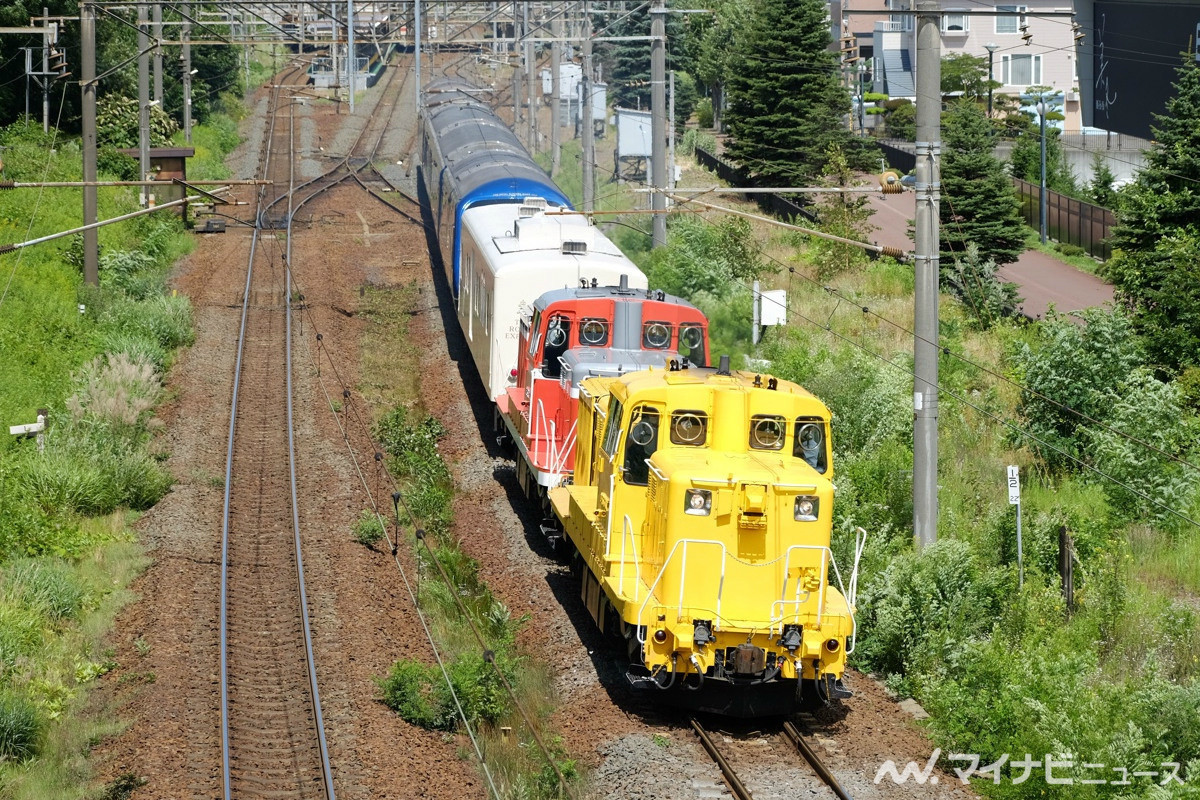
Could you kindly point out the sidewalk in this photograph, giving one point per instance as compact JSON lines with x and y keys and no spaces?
{"x":1041,"y":279}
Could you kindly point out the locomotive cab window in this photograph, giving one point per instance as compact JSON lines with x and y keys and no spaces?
{"x":691,"y":344}
{"x":767,"y":432}
{"x":535,"y":332}
{"x":656,"y":335}
{"x":612,"y":434}
{"x":593,"y":332}
{"x":689,"y":428}
{"x":640,"y":444}
{"x":809,"y":442}
{"x":558,"y":340}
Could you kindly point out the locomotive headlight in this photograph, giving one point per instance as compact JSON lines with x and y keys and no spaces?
{"x":806,"y":508}
{"x":697,"y":502}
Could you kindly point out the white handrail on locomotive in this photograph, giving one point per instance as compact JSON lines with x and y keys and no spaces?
{"x":627,"y":531}
{"x":683,"y":582}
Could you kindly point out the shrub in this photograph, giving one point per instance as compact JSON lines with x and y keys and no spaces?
{"x":368,"y":530}
{"x":1075,"y":366}
{"x":1070,"y":249}
{"x":923,"y":605}
{"x":20,"y":728}
{"x":704,"y":112}
{"x":693,"y":139}
{"x":1151,"y":410}
{"x":703,"y":257}
{"x":985,"y":297}
{"x":416,"y":692}
{"x":419,"y":694}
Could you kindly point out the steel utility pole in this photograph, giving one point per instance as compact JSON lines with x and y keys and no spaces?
{"x":587,"y":129}
{"x":928,"y":190}
{"x":417,"y":48}
{"x":658,"y":119}
{"x":555,"y":96}
{"x":143,"y":100}
{"x":156,"y":31}
{"x":87,"y":83}
{"x":530,"y":78}
{"x":351,"y":56}
{"x":185,"y":57}
{"x":46,"y":42}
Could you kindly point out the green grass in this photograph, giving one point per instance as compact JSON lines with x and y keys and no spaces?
{"x":94,"y":358}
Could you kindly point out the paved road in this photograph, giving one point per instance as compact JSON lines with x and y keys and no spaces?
{"x":1042,"y":280}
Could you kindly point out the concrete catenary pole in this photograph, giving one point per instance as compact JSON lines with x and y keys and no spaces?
{"x":351,"y":57}
{"x":928,"y":190}
{"x":46,"y":80}
{"x":658,"y":119}
{"x":417,"y":47}
{"x":87,"y":83}
{"x":156,"y":31}
{"x":143,"y":99}
{"x":587,"y":129}
{"x":185,"y":58}
{"x":530,"y":69}
{"x":555,"y":95}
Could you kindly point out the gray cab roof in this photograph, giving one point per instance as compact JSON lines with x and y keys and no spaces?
{"x":606,"y":362}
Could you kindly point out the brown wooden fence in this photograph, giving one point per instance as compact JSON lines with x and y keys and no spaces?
{"x":735,"y":176}
{"x":1068,"y":220}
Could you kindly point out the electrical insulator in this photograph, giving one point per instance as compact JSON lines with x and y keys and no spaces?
{"x":58,"y":60}
{"x":889,"y":181}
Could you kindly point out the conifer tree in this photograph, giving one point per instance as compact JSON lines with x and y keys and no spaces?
{"x":1157,"y":239}
{"x":786,"y":99}
{"x":978,"y":201}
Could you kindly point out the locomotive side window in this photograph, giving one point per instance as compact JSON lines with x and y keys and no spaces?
{"x":809,"y":442}
{"x":767,"y":432}
{"x":593,"y":332}
{"x":612,"y":434}
{"x":558,"y":340}
{"x":689,"y":428}
{"x":534,"y":326}
{"x":640,"y":444}
{"x":691,"y":344}
{"x":656,"y":335}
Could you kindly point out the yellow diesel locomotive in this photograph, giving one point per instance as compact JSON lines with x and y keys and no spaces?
{"x":700,"y":514}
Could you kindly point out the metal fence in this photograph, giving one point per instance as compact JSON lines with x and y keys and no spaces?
{"x":1068,"y":220}
{"x":736,"y":176}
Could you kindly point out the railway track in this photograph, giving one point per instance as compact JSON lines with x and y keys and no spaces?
{"x":793,"y":735}
{"x":272,"y":727}
{"x":272,"y":731}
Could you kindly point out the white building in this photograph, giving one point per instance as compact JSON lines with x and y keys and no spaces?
{"x":1026,"y":49}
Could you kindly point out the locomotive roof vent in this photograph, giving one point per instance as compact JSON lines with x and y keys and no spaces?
{"x":723,"y":369}
{"x":571,"y":247}
{"x":532,"y":207}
